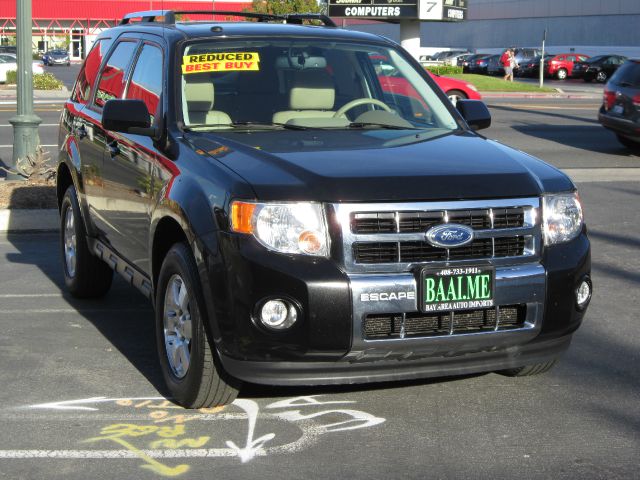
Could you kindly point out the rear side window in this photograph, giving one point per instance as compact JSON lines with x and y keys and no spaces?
{"x":113,"y":77}
{"x":146,"y":82}
{"x":89,"y":71}
{"x":628,"y":73}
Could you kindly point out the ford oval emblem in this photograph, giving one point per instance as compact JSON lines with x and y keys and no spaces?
{"x":449,"y":235}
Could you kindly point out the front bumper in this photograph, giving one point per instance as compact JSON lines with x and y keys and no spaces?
{"x":328,"y":344}
{"x":393,"y":369}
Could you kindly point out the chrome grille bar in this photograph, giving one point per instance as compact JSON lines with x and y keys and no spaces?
{"x":530,"y":231}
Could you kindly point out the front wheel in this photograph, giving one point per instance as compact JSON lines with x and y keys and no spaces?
{"x":190,"y":367}
{"x":601,"y":77}
{"x":561,"y":74}
{"x":85,"y":275}
{"x":529,"y":370}
{"x":455,"y":95}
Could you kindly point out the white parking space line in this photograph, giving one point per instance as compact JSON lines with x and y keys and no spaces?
{"x":11,"y":146}
{"x":120,"y":454}
{"x":41,"y":125}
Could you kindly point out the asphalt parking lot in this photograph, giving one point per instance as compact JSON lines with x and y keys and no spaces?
{"x":82,"y":394}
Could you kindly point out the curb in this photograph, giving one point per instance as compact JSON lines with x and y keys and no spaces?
{"x":559,"y":94}
{"x":11,"y":94}
{"x":37,"y":220}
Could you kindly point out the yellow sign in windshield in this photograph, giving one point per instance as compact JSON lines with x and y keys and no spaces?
{"x":220,"y":62}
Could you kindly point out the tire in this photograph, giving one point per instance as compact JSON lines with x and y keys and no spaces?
{"x":529,"y":370}
{"x":630,"y":144}
{"x":455,"y":95}
{"x":601,"y":77}
{"x":85,"y":275}
{"x":561,"y":74}
{"x":189,"y":364}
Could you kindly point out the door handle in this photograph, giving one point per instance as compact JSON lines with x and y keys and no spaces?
{"x":113,"y":147}
{"x":81,"y":132}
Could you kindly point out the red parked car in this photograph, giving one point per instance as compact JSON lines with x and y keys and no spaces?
{"x":561,"y":65}
{"x":453,"y":88}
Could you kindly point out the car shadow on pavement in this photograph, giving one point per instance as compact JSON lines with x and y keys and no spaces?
{"x":124,"y":317}
{"x":576,"y":136}
{"x":546,"y":113}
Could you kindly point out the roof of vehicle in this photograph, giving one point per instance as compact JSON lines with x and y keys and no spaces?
{"x":290,"y":25}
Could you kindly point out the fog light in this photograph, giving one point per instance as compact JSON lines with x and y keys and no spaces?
{"x":278,"y":314}
{"x":583,"y":293}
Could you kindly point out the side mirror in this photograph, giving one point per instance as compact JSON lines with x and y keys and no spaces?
{"x":475,"y":112}
{"x":127,"y":116}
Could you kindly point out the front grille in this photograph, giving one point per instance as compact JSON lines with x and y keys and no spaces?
{"x":391,"y":237}
{"x":416,"y":324}
{"x":418,"y":221}
{"x":407,"y":251}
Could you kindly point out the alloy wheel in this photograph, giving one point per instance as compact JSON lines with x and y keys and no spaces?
{"x":177,"y":326}
{"x":70,"y":244}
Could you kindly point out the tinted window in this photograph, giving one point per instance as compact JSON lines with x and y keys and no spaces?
{"x":571,"y":58}
{"x":89,"y":71}
{"x":113,"y":76}
{"x":146,"y":82}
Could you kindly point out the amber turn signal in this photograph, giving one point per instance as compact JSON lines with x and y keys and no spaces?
{"x":241,"y":216}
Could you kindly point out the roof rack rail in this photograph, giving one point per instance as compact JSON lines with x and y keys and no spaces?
{"x":148,"y":16}
{"x":169,"y":16}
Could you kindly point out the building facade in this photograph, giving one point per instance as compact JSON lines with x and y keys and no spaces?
{"x":74,"y":24}
{"x":586,"y":26}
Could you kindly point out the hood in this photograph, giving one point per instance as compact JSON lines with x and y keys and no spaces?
{"x":378,"y":165}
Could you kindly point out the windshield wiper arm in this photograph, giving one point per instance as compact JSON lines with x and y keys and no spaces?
{"x":269,"y":124}
{"x":381,"y":125}
{"x":288,"y":126}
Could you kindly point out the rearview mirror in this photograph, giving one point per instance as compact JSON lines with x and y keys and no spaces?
{"x":475,"y":112}
{"x":127,"y":116}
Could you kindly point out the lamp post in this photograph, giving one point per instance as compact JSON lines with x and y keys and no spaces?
{"x":25,"y":123}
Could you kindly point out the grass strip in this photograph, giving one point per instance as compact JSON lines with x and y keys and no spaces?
{"x":486,"y":83}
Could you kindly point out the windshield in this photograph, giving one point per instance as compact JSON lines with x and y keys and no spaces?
{"x":305,"y":83}
{"x":596,"y":59}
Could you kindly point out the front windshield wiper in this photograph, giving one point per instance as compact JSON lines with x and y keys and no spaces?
{"x":198,"y":126}
{"x":380,"y":125}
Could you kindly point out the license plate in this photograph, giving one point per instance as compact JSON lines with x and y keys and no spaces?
{"x":617,"y":109}
{"x":459,"y":288}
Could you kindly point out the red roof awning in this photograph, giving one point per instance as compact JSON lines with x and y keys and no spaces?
{"x":84,"y":10}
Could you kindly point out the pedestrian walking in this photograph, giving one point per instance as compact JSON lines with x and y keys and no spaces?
{"x":506,"y":64}
{"x":513,"y":64}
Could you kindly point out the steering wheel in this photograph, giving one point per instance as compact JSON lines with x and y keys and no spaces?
{"x":361,"y":101}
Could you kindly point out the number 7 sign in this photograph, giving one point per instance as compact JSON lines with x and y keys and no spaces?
{"x":430,"y":9}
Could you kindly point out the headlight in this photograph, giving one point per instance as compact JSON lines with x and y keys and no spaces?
{"x":298,"y":228}
{"x":561,"y":217}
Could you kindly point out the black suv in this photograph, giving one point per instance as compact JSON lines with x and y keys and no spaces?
{"x":620,"y":110}
{"x":298,"y":217}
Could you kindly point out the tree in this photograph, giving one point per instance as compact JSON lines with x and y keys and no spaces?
{"x":280,"y":7}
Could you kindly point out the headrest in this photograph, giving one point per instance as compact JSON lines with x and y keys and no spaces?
{"x":312,"y":90}
{"x":199,"y":95}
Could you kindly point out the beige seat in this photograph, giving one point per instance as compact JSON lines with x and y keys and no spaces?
{"x":311,"y":96}
{"x":200,"y":101}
